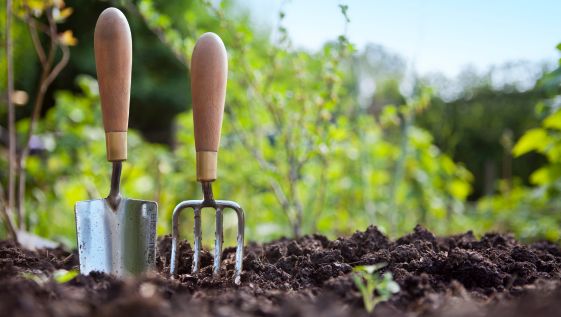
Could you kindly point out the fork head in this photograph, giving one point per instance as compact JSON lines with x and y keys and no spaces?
{"x":219,"y":206}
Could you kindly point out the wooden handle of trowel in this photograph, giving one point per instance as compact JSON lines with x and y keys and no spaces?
{"x":113,"y":62}
{"x":209,"y":72}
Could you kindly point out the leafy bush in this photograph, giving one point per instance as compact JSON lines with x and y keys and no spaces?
{"x":532,"y":212}
{"x":298,"y":152}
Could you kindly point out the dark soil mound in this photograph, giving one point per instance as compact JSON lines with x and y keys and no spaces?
{"x":310,"y":276}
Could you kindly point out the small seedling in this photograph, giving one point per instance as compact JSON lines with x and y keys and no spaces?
{"x":63,"y":276}
{"x":59,"y":276}
{"x":374,"y":288}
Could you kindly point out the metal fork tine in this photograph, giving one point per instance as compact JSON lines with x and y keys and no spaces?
{"x":239,"y":244}
{"x":174,"y":238}
{"x":197,"y":242}
{"x":240,"y":238}
{"x":218,"y":241}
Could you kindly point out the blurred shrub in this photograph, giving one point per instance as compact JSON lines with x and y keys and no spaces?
{"x":532,"y":212}
{"x":472,"y":125}
{"x":73,"y":166}
{"x":298,"y":152}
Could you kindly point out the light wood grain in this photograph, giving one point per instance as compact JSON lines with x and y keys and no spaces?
{"x":209,"y":72}
{"x":113,"y":60}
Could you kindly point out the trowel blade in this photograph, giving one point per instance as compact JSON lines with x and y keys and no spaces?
{"x":121,"y":242}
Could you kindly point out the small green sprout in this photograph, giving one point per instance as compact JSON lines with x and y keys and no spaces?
{"x":63,"y":276}
{"x":59,"y":276}
{"x":374,"y":288}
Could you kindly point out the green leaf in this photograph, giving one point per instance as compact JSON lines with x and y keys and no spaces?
{"x":546,"y":175}
{"x":63,"y":276}
{"x":389,"y":115}
{"x":532,"y":140}
{"x":553,"y":121}
{"x":344,"y":11}
{"x":459,"y":189}
{"x":387,"y":287}
{"x":370,"y":269}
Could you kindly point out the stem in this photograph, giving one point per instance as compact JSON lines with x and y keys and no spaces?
{"x":48,"y":74}
{"x":293,"y":179}
{"x":36,"y":42}
{"x":316,"y":201}
{"x":406,"y":123}
{"x":26,"y":149}
{"x":8,"y":221}
{"x":8,"y":209}
{"x":160,"y":34}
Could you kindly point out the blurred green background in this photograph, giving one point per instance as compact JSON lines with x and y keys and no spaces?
{"x":325,"y":140}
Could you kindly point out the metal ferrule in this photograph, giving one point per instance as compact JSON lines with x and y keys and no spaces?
{"x":116,"y":145}
{"x":207,"y":163}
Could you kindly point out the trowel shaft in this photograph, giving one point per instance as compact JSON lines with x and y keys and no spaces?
{"x":115,"y":193}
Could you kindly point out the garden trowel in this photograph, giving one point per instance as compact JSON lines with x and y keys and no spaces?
{"x":115,"y":235}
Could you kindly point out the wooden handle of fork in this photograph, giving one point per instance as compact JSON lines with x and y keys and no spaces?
{"x":209,"y":72}
{"x":113,"y":62}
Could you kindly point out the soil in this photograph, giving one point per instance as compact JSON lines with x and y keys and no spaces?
{"x":311,"y":276}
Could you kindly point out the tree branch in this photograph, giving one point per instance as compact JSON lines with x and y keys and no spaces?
{"x":8,"y":209}
{"x":48,"y":74}
{"x":180,"y":56}
{"x":8,"y":219}
{"x":60,"y":66}
{"x":36,"y":42}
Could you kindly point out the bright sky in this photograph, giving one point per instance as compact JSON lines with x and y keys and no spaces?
{"x":433,"y":35}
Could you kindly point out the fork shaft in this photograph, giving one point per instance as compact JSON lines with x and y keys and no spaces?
{"x":208,"y":196}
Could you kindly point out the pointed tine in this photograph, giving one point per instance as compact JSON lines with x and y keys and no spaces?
{"x":218,"y":241}
{"x":174,"y":237}
{"x":240,"y":242}
{"x":197,"y":242}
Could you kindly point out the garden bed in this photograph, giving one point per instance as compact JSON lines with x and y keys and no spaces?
{"x":310,"y":276}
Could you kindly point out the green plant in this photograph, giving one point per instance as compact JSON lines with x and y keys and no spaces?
{"x":373,"y":287}
{"x":298,"y":150}
{"x":63,"y":276}
{"x":459,"y":125}
{"x":313,"y":159}
{"x":59,"y":276}
{"x":74,"y":167}
{"x":531,"y":212}
{"x":33,"y":14}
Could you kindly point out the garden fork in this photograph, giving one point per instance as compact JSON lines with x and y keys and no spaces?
{"x":209,"y":71}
